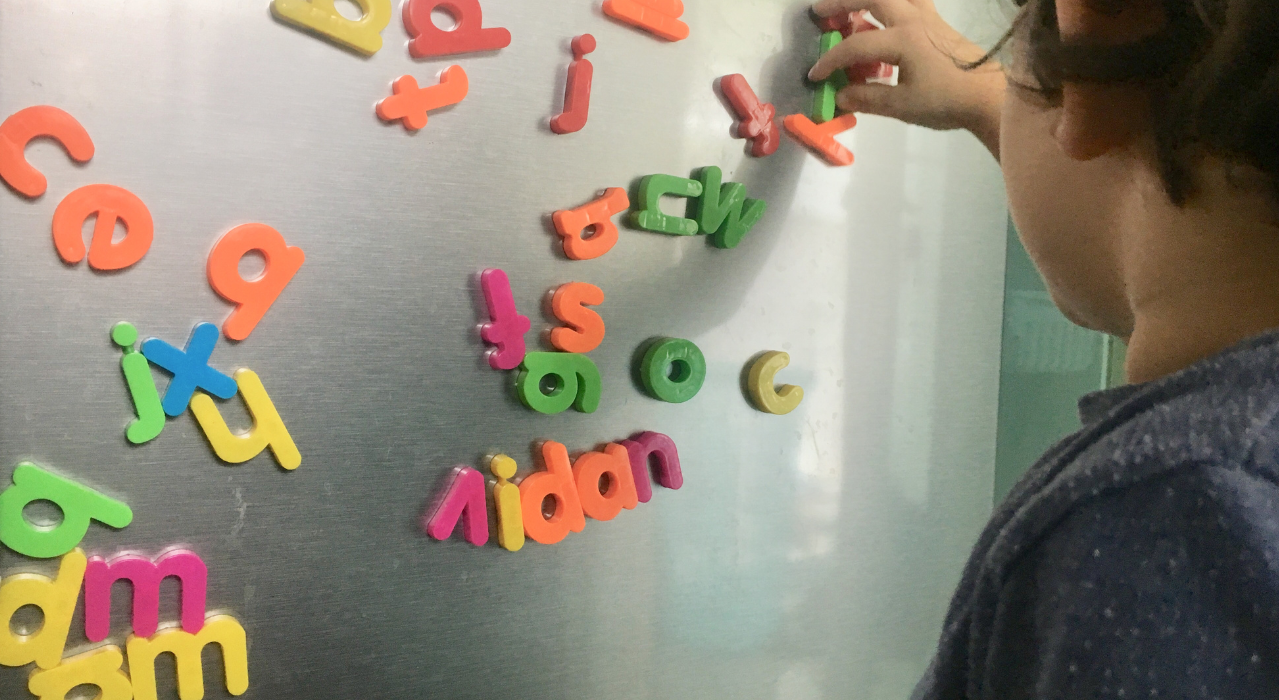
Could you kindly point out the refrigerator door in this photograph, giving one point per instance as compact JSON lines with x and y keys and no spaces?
{"x":807,"y":555}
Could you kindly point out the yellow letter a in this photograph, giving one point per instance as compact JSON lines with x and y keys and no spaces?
{"x":319,"y":16}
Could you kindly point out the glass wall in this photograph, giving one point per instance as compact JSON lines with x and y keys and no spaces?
{"x":1047,"y":364}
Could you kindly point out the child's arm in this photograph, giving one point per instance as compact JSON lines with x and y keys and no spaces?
{"x":933,"y":89}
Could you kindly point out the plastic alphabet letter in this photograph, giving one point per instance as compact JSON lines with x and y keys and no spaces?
{"x":572,"y":223}
{"x":40,"y":121}
{"x":268,"y":428}
{"x":252,"y":298}
{"x":107,"y":204}
{"x":506,"y":501}
{"x":585,"y":328}
{"x":659,"y":17}
{"x":824,"y":96}
{"x":821,"y":137}
{"x":137,"y":374}
{"x":760,"y":381}
{"x":463,"y":499}
{"x":650,"y":216}
{"x":506,"y":331}
{"x":555,"y":482}
{"x":577,"y":382}
{"x":723,"y":211}
{"x":79,"y":504}
{"x":411,"y":104}
{"x":57,"y":601}
{"x":673,"y":370}
{"x":755,"y":119}
{"x":190,"y":368}
{"x":577,"y":93}
{"x":650,"y":444}
{"x":469,"y":35}
{"x":222,"y":630}
{"x":322,"y":18}
{"x":620,"y":492}
{"x":145,"y":576}
{"x":99,"y":667}
{"x":851,"y":24}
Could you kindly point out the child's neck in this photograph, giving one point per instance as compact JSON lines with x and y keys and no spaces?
{"x":1200,"y":278}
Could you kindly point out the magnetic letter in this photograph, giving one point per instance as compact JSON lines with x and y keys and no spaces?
{"x":556,"y":482}
{"x":506,"y":332}
{"x":252,"y":298}
{"x":107,"y":204}
{"x":572,"y":223}
{"x":650,"y":216}
{"x":673,"y":370}
{"x":659,"y":17}
{"x":322,"y":18}
{"x":755,"y":119}
{"x":410,"y":103}
{"x":79,"y":505}
{"x":463,"y":499}
{"x":649,"y":444}
{"x":222,"y":630}
{"x":723,"y":211}
{"x":577,"y":93}
{"x":760,"y":381}
{"x":268,"y":428}
{"x":56,"y":600}
{"x":506,"y":501}
{"x":137,"y":374}
{"x":585,"y":328}
{"x":577,"y":382}
{"x":37,"y":122}
{"x":469,"y":35}
{"x":821,"y":137}
{"x":190,"y":368}
{"x":620,"y":492}
{"x":824,"y":96}
{"x":145,"y":576}
{"x":99,"y":667}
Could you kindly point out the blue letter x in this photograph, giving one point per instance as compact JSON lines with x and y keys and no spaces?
{"x":190,"y":369}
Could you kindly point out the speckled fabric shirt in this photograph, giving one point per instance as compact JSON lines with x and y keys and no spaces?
{"x":1139,"y":558}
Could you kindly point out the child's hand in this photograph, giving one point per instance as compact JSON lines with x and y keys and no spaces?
{"x":933,"y":89}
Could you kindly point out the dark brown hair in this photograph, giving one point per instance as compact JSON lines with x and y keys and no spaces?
{"x":1212,"y":73}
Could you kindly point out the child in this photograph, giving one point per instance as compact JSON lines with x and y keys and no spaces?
{"x":1139,"y":139}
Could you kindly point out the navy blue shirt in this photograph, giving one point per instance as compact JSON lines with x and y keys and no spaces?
{"x":1139,"y":558}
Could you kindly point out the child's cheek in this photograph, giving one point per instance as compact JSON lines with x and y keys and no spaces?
{"x":1067,"y":214}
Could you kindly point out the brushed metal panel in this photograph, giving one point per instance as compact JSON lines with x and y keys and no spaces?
{"x":807,"y":556}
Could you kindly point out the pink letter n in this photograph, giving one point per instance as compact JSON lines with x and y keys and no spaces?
{"x":145,"y":577}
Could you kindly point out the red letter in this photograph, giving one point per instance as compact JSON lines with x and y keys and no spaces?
{"x":469,"y":34}
{"x":577,"y":93}
{"x":755,"y":119}
{"x":31,"y":123}
{"x":109,"y":204}
{"x":251,"y":297}
{"x":585,"y":328}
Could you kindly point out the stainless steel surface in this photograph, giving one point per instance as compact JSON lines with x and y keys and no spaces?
{"x":807,"y":556}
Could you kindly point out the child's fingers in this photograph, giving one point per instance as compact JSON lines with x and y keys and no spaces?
{"x":863,"y":47}
{"x":871,"y":98}
{"x":888,"y":12}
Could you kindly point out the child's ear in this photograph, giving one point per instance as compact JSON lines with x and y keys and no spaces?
{"x":1097,"y":118}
